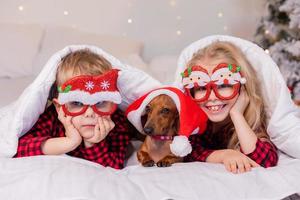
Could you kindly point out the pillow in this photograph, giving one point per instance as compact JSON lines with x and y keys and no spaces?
{"x":57,"y":38}
{"x":162,"y":68}
{"x":135,"y":61}
{"x":11,"y":88}
{"x":19,"y":46}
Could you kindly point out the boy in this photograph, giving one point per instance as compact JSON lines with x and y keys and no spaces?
{"x":83,"y":120}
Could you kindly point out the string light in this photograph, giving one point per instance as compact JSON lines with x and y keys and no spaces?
{"x":129,"y":21}
{"x":178,"y":32}
{"x":173,"y":3}
{"x":66,"y":13}
{"x":21,"y":8}
{"x":220,"y":14}
{"x":267,"y":51}
{"x":178,"y":17}
{"x":225,"y":28}
{"x":267,"y":32}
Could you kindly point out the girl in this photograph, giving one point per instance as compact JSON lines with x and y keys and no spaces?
{"x":221,"y":80}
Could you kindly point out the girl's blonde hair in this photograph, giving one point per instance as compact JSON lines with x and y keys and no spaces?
{"x":254,"y":114}
{"x":82,"y":62}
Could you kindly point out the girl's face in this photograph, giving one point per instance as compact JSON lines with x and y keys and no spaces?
{"x":216,"y":109}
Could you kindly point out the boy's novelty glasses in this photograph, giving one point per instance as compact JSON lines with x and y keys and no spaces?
{"x":75,"y":108}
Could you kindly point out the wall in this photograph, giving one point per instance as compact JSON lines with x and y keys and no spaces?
{"x":165,"y":26}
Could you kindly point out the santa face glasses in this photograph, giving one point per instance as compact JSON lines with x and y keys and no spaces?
{"x":98,"y":92}
{"x":225,"y":81}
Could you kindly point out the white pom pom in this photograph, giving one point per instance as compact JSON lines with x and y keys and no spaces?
{"x":243,"y":80}
{"x":180,"y":146}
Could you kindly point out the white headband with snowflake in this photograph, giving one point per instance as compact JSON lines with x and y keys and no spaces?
{"x":90,"y":90}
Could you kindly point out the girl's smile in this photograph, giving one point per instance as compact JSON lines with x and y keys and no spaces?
{"x":215,"y":108}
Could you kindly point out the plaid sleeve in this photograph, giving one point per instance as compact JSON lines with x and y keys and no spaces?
{"x":112,"y":150}
{"x":199,"y":153}
{"x":265,"y":154}
{"x":30,"y":143}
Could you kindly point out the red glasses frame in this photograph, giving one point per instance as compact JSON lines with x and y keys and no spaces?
{"x":85,"y":107}
{"x":212,"y":86}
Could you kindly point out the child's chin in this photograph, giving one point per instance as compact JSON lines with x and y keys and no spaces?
{"x":217,"y":117}
{"x":87,"y":134}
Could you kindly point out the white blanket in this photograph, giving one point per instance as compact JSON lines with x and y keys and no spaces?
{"x":68,"y":178}
{"x":17,"y":118}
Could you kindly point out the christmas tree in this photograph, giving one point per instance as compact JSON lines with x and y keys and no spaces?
{"x":279,"y":34}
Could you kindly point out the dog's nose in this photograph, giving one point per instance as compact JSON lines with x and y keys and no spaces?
{"x":148,"y":130}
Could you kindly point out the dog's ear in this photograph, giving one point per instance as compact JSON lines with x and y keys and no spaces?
{"x":176,"y":123}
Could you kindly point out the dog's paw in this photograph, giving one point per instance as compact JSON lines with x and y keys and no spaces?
{"x":163,"y":163}
{"x":149,"y":163}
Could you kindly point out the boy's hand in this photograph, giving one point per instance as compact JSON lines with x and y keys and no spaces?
{"x":237,"y":162}
{"x":241,"y":104}
{"x":70,"y":131}
{"x":102,"y":128}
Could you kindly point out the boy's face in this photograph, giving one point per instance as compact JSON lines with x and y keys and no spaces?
{"x":86,"y":122}
{"x":86,"y":97}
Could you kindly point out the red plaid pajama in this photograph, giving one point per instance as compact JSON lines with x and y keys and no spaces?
{"x":265,"y":153}
{"x":109,"y":152}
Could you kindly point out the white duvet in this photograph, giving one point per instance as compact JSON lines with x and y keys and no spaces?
{"x":68,"y":178}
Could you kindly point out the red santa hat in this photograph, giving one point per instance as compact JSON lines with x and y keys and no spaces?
{"x":191,"y":118}
{"x":89,"y":90}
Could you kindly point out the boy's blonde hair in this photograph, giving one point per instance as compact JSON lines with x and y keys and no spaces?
{"x":82,"y":62}
{"x":254,"y":114}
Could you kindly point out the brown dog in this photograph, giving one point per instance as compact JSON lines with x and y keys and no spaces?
{"x":160,"y":124}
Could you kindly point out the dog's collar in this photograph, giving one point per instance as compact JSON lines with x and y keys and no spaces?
{"x":162,"y":137}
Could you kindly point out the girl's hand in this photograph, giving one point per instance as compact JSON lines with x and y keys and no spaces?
{"x":241,"y":104}
{"x":70,"y":131}
{"x":103,"y":127}
{"x":237,"y":162}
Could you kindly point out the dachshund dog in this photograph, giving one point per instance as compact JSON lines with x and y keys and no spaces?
{"x":160,"y":124}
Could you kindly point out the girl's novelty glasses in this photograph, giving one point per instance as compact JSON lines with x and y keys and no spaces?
{"x":225,"y":81}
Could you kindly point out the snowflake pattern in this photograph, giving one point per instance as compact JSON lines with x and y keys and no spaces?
{"x":89,"y":85}
{"x":105,"y":85}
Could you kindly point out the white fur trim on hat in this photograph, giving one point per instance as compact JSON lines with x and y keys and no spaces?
{"x":196,"y":131}
{"x":87,"y":98}
{"x":135,"y":115}
{"x":180,"y":146}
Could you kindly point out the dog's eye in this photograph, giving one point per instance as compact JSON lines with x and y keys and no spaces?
{"x":147,"y":109}
{"x":165,"y":110}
